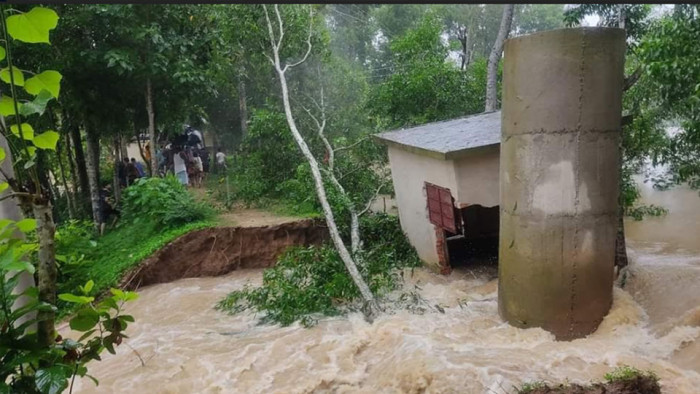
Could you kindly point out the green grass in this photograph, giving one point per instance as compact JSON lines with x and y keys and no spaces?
{"x":106,"y":259}
{"x":627,"y":372}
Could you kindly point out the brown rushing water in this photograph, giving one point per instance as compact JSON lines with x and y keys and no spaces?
{"x":190,"y":348}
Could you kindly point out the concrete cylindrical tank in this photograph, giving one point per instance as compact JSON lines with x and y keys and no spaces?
{"x":562,"y":103}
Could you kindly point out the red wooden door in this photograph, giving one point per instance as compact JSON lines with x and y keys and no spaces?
{"x":441,"y":211}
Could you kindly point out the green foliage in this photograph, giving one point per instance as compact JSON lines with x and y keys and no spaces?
{"x":26,"y":366}
{"x":163,"y":201}
{"x":313,"y":281}
{"x":636,"y":17}
{"x":105,"y":260}
{"x":669,"y":53}
{"x":424,"y":87}
{"x":626,"y":373}
{"x":267,"y":157}
{"x":33,"y":26}
{"x":29,"y":27}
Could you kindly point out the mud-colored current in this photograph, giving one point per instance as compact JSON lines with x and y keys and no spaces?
{"x":188,"y":347}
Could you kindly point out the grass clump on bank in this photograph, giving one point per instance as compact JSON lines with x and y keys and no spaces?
{"x":311,"y":282}
{"x":622,"y":380}
{"x":155,"y":211}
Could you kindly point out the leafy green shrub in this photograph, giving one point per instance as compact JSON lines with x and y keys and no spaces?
{"x":267,"y":157}
{"x":640,"y":211}
{"x":75,"y":233}
{"x":26,"y":366}
{"x":163,"y":201}
{"x":314,"y":281}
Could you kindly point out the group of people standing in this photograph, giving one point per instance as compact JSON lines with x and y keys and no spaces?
{"x":185,"y":162}
{"x":129,"y":171}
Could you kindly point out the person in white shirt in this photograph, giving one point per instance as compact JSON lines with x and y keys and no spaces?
{"x":220,"y":161}
{"x":180,"y":166}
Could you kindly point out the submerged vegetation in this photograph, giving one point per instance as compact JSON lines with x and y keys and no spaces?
{"x":621,"y":380}
{"x":310,"y":282}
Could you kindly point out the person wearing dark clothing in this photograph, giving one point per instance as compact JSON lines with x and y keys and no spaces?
{"x":121,"y":172}
{"x":132,"y":173}
{"x":106,"y":209}
{"x":139,"y":167}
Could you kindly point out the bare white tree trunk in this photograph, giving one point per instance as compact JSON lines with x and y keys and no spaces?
{"x":355,"y":243}
{"x":495,"y":56}
{"x":313,"y":163}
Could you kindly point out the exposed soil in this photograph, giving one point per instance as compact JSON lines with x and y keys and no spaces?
{"x":220,"y":250}
{"x":637,"y":385}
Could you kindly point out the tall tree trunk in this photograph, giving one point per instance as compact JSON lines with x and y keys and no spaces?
{"x":117,"y":161}
{"x":69,"y":200}
{"x":73,"y":175}
{"x":621,"y":260}
{"x":462,"y":37}
{"x":316,"y":172}
{"x":123,"y":140}
{"x":152,"y":164}
{"x":46,"y":270}
{"x":93,"y":170}
{"x":495,"y":56}
{"x":141,"y":151}
{"x":242,"y":105}
{"x":43,"y":171}
{"x":9,"y":209}
{"x":81,"y":165}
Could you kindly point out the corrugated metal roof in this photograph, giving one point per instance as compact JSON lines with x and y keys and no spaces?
{"x":448,"y":139}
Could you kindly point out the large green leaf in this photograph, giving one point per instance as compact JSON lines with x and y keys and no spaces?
{"x":46,"y":140}
{"x":85,"y":320}
{"x":16,"y":74}
{"x":49,"y":80}
{"x":27,"y":131}
{"x":37,"y":106}
{"x":2,"y":53}
{"x":26,"y":225}
{"x":4,"y":186}
{"x":32,"y":26}
{"x":52,"y":380}
{"x":19,"y":266}
{"x":7,"y":106}
{"x":88,"y":286}
{"x":2,"y":154}
{"x":75,"y":298}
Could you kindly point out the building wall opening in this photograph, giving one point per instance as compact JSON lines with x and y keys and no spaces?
{"x":477,"y":243}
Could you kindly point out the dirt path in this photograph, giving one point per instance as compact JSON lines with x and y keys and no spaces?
{"x":250,"y":217}
{"x":240,"y":216}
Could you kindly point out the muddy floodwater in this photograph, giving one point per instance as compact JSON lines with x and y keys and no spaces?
{"x":188,"y":347}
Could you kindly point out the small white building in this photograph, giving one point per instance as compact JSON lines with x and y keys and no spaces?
{"x":446,"y":181}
